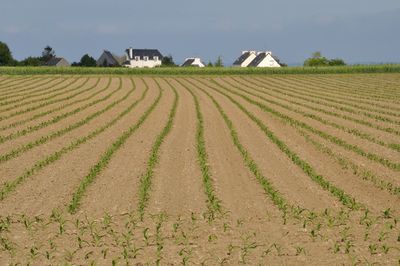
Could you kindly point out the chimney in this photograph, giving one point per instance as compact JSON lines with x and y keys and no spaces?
{"x":130,"y":53}
{"x":243,"y":52}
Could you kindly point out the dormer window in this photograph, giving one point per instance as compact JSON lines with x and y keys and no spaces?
{"x":145,"y":58}
{"x":155,"y":58}
{"x":137,"y":58}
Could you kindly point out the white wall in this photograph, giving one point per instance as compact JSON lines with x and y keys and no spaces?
{"x":268,"y":61}
{"x":142,"y":64}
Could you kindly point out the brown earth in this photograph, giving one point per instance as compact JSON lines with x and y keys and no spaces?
{"x":177,"y":228}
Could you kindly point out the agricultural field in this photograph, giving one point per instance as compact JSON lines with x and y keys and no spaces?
{"x":200,"y":169}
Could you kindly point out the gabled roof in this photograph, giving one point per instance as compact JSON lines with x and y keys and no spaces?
{"x":188,"y":62}
{"x":111,"y":58}
{"x":53,"y":61}
{"x":150,"y":53}
{"x":241,"y":59}
{"x":259,"y":58}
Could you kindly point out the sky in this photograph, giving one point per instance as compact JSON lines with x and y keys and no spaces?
{"x":359,"y":31}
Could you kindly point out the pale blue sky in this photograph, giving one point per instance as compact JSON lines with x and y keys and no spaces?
{"x":357,"y":30}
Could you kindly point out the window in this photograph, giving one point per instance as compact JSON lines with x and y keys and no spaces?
{"x":155,"y":58}
{"x":137,"y":58}
{"x":145,"y":58}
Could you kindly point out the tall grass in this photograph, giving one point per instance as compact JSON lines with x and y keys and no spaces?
{"x":392,"y":68}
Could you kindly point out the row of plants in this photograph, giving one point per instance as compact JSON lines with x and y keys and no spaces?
{"x":275,"y":196}
{"x":10,"y":186}
{"x":353,"y":131}
{"x":107,"y":155}
{"x":203,"y":71}
{"x":63,"y":106}
{"x":46,"y":98}
{"x":335,"y":140}
{"x":350,"y":98}
{"x":349,"y":88}
{"x":346,"y":199}
{"x":56,"y":134}
{"x":19,"y":88}
{"x":20,"y":83}
{"x":62,"y":116}
{"x":331,"y":113}
{"x":34,"y":91}
{"x":214,"y":204}
{"x":147,"y":177}
{"x":354,"y":168}
{"x":44,"y":104}
{"x":343,"y":106}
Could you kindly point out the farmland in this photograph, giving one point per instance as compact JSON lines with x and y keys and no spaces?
{"x":200,"y":169}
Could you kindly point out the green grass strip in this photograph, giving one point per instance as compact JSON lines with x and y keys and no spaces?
{"x":44,"y":139}
{"x":147,"y":177}
{"x":371,"y":156}
{"x":269,"y":189}
{"x":59,"y":108}
{"x":214,"y":204}
{"x":343,"y":197}
{"x":8,"y":187}
{"x":106,"y":157}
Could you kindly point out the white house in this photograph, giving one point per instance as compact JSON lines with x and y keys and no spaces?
{"x":245,"y":59}
{"x":265,"y":59}
{"x":194,"y":61}
{"x":142,"y":58}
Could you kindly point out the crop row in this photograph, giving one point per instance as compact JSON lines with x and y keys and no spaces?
{"x":324,"y":90}
{"x":8,"y":187}
{"x":352,"y":131}
{"x":356,"y":90}
{"x":57,"y":118}
{"x":63,"y":91}
{"x":44,"y":139}
{"x":59,"y":108}
{"x":27,"y":93}
{"x":354,"y":148}
{"x":339,"y":105}
{"x":40,"y":105}
{"x":342,"y":116}
{"x":106,"y":156}
{"x":343,"y":197}
{"x":146,"y":178}
{"x":16,"y":84}
{"x":214,"y":204}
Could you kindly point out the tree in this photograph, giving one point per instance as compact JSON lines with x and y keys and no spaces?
{"x":31,"y":61}
{"x":337,"y":62}
{"x":210,"y":64}
{"x":6,"y":58}
{"x":318,"y":60}
{"x":218,"y":62}
{"x":47,"y":54}
{"x":168,"y":61}
{"x":87,"y":61}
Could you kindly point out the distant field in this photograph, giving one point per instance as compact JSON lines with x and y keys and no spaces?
{"x":217,"y":169}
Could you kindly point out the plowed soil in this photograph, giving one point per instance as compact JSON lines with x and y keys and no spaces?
{"x":184,"y":170}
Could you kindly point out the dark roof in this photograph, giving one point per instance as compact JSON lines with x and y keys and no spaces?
{"x":110,"y":58}
{"x":257,"y":60}
{"x":150,"y":53}
{"x":188,"y":62}
{"x":53,"y":61}
{"x":241,"y":59}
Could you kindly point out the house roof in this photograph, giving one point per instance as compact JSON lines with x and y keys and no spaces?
{"x":54,"y":61}
{"x":259,"y":58}
{"x":150,"y":53}
{"x":241,"y":59}
{"x":111,"y":58}
{"x":188,"y":62}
